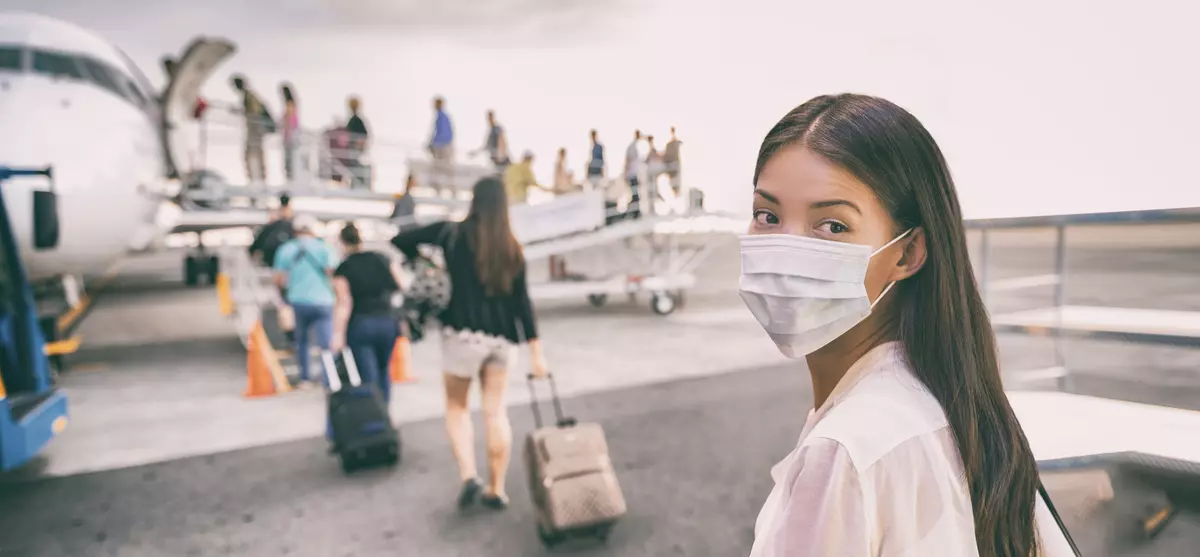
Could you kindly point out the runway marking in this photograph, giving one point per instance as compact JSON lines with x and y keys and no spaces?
{"x":69,"y":319}
{"x":97,"y":366}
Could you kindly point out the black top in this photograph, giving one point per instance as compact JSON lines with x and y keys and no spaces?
{"x":371,"y":283}
{"x":357,"y":126}
{"x":471,"y":308}
{"x":270,"y":237}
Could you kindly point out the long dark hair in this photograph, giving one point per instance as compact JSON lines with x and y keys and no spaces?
{"x":939,"y":315}
{"x":498,"y":256}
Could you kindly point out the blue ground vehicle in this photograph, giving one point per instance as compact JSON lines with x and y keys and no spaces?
{"x":32,"y":409}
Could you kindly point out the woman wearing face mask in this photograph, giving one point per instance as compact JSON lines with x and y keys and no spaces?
{"x":857,"y":262}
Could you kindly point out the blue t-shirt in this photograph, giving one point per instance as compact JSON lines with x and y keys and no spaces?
{"x":306,"y":260}
{"x":596,"y":164}
{"x":443,"y":132}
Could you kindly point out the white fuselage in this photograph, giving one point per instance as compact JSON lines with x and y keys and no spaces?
{"x":78,"y":105}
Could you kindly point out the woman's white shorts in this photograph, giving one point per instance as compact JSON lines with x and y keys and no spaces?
{"x":465,"y":353}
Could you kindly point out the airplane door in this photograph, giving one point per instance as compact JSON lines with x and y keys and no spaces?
{"x":182,"y":130}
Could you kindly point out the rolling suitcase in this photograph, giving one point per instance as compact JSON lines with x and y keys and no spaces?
{"x":571,"y":478}
{"x":363,"y":433}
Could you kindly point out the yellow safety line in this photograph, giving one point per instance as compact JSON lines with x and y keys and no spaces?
{"x":63,"y":347}
{"x":72,"y":315}
{"x":68,"y":319}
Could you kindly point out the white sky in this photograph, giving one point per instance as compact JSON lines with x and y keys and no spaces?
{"x":1041,"y":107}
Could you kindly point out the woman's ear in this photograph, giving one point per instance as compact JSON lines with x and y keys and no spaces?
{"x":913,"y":257}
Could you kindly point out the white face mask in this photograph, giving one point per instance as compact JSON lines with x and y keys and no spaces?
{"x":806,"y":292}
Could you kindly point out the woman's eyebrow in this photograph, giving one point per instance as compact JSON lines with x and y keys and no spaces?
{"x":834,"y":203}
{"x":770,"y":198}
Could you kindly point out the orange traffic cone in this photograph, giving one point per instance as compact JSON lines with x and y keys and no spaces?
{"x":401,"y":356}
{"x":264,"y":374}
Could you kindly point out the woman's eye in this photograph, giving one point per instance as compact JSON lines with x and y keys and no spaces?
{"x":833,"y":227}
{"x":765,"y":218}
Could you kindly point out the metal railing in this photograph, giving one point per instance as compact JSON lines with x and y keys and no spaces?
{"x":250,"y":288}
{"x":1059,"y":224}
{"x":325,"y":161}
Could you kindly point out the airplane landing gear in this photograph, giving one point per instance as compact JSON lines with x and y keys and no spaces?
{"x":200,"y":266}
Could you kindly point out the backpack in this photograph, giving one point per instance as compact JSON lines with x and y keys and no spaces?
{"x":269,"y":125}
{"x":263,"y":116}
{"x":271,"y":237}
{"x":428,"y":295}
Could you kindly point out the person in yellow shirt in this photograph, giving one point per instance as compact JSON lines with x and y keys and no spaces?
{"x":518,"y":178}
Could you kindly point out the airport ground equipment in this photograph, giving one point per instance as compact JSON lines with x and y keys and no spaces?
{"x":32,"y":408}
{"x":652,"y":254}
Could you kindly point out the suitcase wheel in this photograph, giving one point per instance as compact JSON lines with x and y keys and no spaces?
{"x":548,"y":538}
{"x":349,"y":463}
{"x":602,"y":532}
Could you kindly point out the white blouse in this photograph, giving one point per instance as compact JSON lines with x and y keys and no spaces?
{"x":876,"y":472}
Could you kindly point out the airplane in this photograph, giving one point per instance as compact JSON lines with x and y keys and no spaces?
{"x":127,"y":160}
{"x":75,"y":102}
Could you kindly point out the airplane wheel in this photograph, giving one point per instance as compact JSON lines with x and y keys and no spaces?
{"x":597,"y":300}
{"x":680,"y":298}
{"x":662,"y":304}
{"x":212,"y":268}
{"x":191,"y":272}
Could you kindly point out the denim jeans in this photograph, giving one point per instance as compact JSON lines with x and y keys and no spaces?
{"x":309,"y":319}
{"x":372,"y":339}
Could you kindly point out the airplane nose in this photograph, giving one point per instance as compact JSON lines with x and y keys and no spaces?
{"x":38,"y":120}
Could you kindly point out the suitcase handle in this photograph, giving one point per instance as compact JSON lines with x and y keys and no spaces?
{"x":563,"y":421}
{"x":331,"y":371}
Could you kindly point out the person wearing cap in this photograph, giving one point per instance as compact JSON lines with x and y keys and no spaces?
{"x":518,"y":178}
{"x":304,"y":268}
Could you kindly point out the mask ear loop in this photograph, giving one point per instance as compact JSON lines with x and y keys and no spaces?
{"x":882,"y":294}
{"x":894,"y":240}
{"x":893,"y":283}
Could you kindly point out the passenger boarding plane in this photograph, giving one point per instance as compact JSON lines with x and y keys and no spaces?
{"x":75,"y":102}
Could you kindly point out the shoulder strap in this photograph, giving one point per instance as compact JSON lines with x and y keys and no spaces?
{"x":1053,"y":512}
{"x":302,"y":253}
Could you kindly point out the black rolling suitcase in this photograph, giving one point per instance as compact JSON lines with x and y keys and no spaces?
{"x":363,"y":434}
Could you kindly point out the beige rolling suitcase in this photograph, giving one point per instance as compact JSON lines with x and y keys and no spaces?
{"x":571,"y":477}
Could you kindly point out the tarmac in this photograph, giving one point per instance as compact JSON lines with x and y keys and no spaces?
{"x":164,"y":456}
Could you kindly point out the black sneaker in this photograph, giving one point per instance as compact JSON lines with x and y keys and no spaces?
{"x":468,"y":494}
{"x":495,"y":502}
